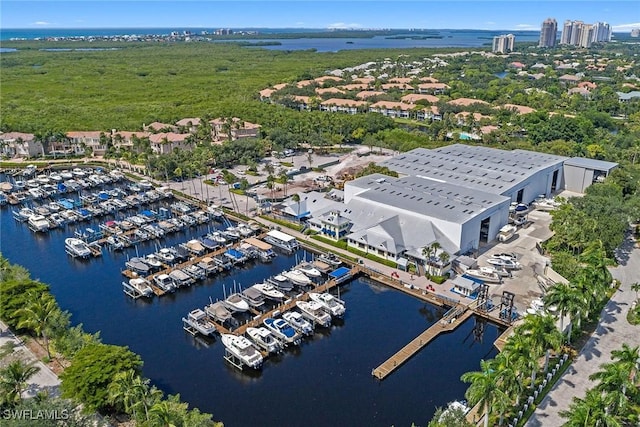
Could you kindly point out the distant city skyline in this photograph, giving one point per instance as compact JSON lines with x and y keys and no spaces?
{"x":513,"y":15}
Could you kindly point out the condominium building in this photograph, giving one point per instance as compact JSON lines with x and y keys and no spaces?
{"x":503,"y":43}
{"x":548,"y":33}
{"x":577,"y":33}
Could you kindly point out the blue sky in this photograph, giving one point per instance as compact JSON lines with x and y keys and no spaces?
{"x":478,"y":14}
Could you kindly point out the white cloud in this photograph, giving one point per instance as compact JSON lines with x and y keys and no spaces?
{"x":299,"y":24}
{"x":625,"y":27}
{"x":490,"y":23}
{"x":342,"y":25}
{"x":41,"y":23}
{"x":524,"y":26}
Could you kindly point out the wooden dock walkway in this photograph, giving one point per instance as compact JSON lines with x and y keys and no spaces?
{"x":408,"y":351}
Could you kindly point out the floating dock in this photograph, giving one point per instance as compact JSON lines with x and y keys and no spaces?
{"x":408,"y":351}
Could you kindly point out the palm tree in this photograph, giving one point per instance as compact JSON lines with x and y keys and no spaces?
{"x":613,"y":380}
{"x":284,"y":178}
{"x":37,"y":316}
{"x":130,"y":390}
{"x":14,"y":377}
{"x":568,"y":301}
{"x":162,"y":414}
{"x":543,"y":334}
{"x":444,"y":258}
{"x":589,"y":411}
{"x":484,"y":388}
{"x":296,"y":198}
{"x":636,"y":288}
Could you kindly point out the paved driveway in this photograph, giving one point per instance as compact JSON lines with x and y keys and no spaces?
{"x":612,"y":331}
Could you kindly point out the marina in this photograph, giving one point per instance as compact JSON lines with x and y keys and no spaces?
{"x":336,"y":350}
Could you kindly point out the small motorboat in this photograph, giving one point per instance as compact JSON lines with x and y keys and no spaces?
{"x":297,"y":277}
{"x":504,"y":263}
{"x":208,"y":264}
{"x":77,"y":248}
{"x":269,"y":291}
{"x":313,"y":311}
{"x":298,"y":322}
{"x":309,"y":270}
{"x":138,"y":265}
{"x":181,"y":278}
{"x":253,"y":297}
{"x":218,"y":311}
{"x":329,"y":303}
{"x":166,"y":255}
{"x":282,"y":330}
{"x":140,"y":286}
{"x":197,"y":321}
{"x":281,"y":282}
{"x":264,"y":339}
{"x":164,"y":282}
{"x":235,"y":303}
{"x":152,"y":261}
{"x":38,"y":223}
{"x":331,"y":259}
{"x":243,"y":350}
{"x":486,"y":274}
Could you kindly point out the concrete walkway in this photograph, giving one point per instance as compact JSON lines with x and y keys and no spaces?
{"x":612,"y":331}
{"x":44,"y":380}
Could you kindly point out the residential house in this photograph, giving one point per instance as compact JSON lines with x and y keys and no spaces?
{"x":402,"y":80}
{"x":463,"y":117}
{"x":18,"y":144}
{"x":233,"y":128}
{"x":265,"y":94}
{"x":84,"y":142}
{"x":397,"y":86}
{"x":355,"y":86}
{"x":329,"y":90}
{"x":430,"y":113}
{"x":569,"y":79}
{"x":348,"y":106}
{"x":432,"y":88}
{"x":164,"y":143}
{"x":304,"y":102}
{"x":580,"y":91}
{"x":392,"y":109}
{"x":332,"y":225}
{"x":190,"y":125}
{"x":429,"y":80}
{"x":367,"y":80}
{"x":368,"y":94}
{"x":324,"y":79}
{"x":304,"y":83}
{"x":627,"y":97}
{"x":518,"y":109}
{"x":465,"y":102}
{"x":159,"y":127}
{"x":125,"y":138}
{"x":412,"y":98}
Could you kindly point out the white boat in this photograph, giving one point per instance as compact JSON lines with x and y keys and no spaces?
{"x":313,"y":311}
{"x":298,"y":322}
{"x":235,"y":303}
{"x":137,"y":265}
{"x":329,"y":303}
{"x":243,"y":350}
{"x":197,"y":321}
{"x":507,"y":232}
{"x":23,"y":214}
{"x":165,"y":282}
{"x":282,"y":330}
{"x":455,"y":406}
{"x":181,"y":278}
{"x":282,"y":240}
{"x":264,"y":339}
{"x":331,"y":259}
{"x":152,"y":261}
{"x":504,"y":263}
{"x":38,"y":223}
{"x":269,"y":291}
{"x":253,"y":297}
{"x":309,"y":270}
{"x":297,"y":277}
{"x":217,"y":311}
{"x":217,"y":237}
{"x":139,"y":287}
{"x":208,"y":264}
{"x":166,"y":255}
{"x":195,"y":246}
{"x":281,"y":282}
{"x":486,"y":274}
{"x":77,"y":248}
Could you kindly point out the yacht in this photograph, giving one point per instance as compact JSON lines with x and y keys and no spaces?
{"x":313,"y":311}
{"x":38,"y":223}
{"x":241,"y":348}
{"x":217,"y":311}
{"x":231,"y":233}
{"x":331,"y":259}
{"x":137,"y":265}
{"x":329,"y":303}
{"x":166,"y":255}
{"x":195,"y":272}
{"x":195,"y":246}
{"x":217,"y":237}
{"x":504,"y":263}
{"x":164,"y":282}
{"x":309,"y":270}
{"x":297,"y":277}
{"x":152,"y":261}
{"x":208,"y":265}
{"x":298,"y":322}
{"x":507,"y":232}
{"x":281,"y":282}
{"x":264,"y":339}
{"x":181,"y":278}
{"x":486,"y":274}
{"x":77,"y":248}
{"x":253,"y":297}
{"x":235,"y":303}
{"x":139,"y":286}
{"x":197,"y":321}
{"x":282,"y":330}
{"x":23,"y":214}
{"x":269,"y":291}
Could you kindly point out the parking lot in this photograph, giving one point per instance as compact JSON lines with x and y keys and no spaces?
{"x":524,"y":283}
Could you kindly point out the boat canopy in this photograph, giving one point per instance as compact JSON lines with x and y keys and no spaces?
{"x":263,"y":246}
{"x":276,"y":234}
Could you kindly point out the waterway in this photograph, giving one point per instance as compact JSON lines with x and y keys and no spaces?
{"x":327,"y":381}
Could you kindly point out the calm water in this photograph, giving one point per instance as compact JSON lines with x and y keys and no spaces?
{"x":448,"y":38}
{"x":327,"y":381}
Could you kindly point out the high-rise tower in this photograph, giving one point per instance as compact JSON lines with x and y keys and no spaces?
{"x":548,"y":33}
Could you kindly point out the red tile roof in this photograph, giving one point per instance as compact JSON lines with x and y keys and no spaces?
{"x":345,"y":102}
{"x":368,"y":94}
{"x":520,"y":109}
{"x":414,"y":97}
{"x":465,"y":102}
{"x":83,"y":134}
{"x":390,"y":105}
